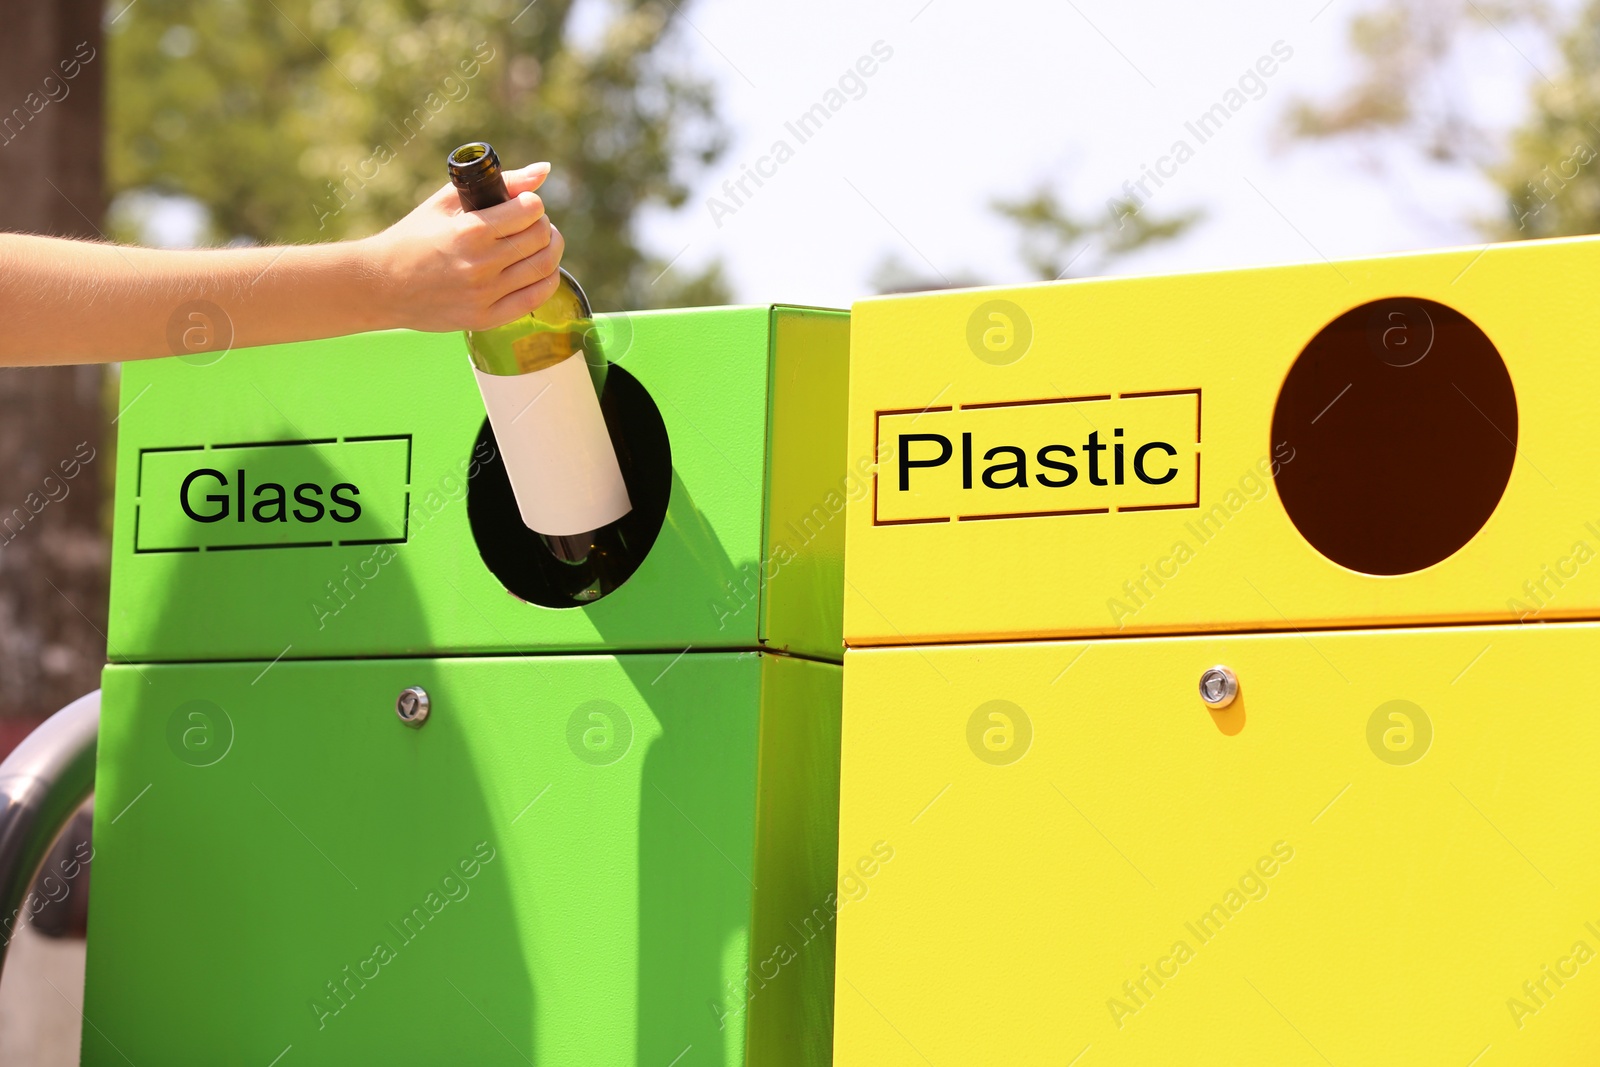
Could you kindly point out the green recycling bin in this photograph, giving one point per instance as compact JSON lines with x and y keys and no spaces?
{"x":363,"y":797}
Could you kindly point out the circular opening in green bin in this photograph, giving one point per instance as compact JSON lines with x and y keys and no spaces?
{"x":518,"y":557}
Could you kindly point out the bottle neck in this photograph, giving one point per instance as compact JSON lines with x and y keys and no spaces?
{"x":476,"y":174}
{"x":475,"y":196}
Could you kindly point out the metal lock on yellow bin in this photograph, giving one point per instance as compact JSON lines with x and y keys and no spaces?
{"x":1189,"y":684}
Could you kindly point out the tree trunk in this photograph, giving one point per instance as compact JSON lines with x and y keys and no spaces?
{"x":53,"y":552}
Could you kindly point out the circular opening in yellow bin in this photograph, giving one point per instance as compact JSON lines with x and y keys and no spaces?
{"x":1403,"y":422}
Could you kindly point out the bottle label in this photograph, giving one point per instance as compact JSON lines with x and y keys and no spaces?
{"x":556,"y":448}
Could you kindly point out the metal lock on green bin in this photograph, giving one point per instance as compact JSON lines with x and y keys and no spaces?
{"x":365,"y":794}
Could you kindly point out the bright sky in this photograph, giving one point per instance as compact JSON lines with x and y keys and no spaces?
{"x":985,"y":98}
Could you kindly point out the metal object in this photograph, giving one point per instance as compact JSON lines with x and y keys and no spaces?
{"x":758,"y":736}
{"x":412,"y":705}
{"x":1218,"y":687}
{"x":42,"y":783}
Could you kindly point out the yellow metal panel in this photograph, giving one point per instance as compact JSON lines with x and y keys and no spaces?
{"x":1084,"y":857}
{"x":1235,"y":562}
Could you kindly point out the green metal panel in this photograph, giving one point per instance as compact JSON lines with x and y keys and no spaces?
{"x":559,"y":867}
{"x":808,"y":482}
{"x":797,"y":842}
{"x":709,"y":372}
{"x":614,"y":840}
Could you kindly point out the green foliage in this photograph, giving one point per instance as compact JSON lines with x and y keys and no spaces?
{"x":1551,"y":176}
{"x":1055,"y":240}
{"x":1392,"y":46}
{"x":894,"y":275}
{"x":1409,"y":77}
{"x":307,"y":120}
{"x":1409,"y":83}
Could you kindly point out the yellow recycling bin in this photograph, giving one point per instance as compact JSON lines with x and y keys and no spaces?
{"x":1215,"y":687}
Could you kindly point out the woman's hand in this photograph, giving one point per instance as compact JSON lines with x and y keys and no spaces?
{"x":441,"y":268}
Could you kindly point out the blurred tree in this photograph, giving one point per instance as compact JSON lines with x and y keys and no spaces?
{"x":1410,"y":86}
{"x":1056,"y":240}
{"x":1551,"y":175}
{"x":305,"y":120}
{"x":894,"y":275}
{"x":52,"y":420}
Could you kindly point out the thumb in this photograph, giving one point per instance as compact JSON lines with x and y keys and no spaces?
{"x":527,"y":179}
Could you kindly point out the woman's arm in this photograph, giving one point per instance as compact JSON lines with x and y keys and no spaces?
{"x":439,"y":268}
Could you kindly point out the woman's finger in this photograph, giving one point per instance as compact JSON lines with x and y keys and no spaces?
{"x":515,"y":304}
{"x":519,"y":246}
{"x":507,"y":221}
{"x":536,"y":267}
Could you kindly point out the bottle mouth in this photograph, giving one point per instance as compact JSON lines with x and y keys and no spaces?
{"x":570,"y":548}
{"x":474,"y":162}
